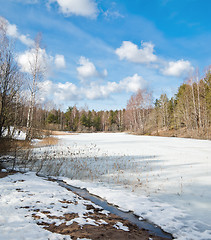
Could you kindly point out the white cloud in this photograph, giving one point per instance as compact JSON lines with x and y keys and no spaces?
{"x":88,"y":70}
{"x":68,"y":91}
{"x":95,"y":91}
{"x":27,"y":60}
{"x":12,"y":31}
{"x":132,"y":53}
{"x":60,"y":91}
{"x":26,"y":40}
{"x":85,"y":8}
{"x":129,"y":84}
{"x":177,"y":68}
{"x":60,"y":61}
{"x":109,"y":14}
{"x":133,"y":84}
{"x":145,"y":54}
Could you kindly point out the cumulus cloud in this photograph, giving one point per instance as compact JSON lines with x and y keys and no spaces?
{"x":26,"y":60}
{"x":95,"y":91}
{"x":85,"y":8}
{"x":12,"y":31}
{"x":132,"y":53}
{"x":60,"y":91}
{"x":65,"y":91}
{"x":45,"y":62}
{"x":59,"y":61}
{"x":68,"y":91}
{"x":87,"y":69}
{"x":132,"y":84}
{"x":177,"y":68}
{"x":129,"y":84}
{"x":145,"y":54}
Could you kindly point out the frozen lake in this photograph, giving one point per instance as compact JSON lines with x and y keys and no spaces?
{"x":164,"y":180}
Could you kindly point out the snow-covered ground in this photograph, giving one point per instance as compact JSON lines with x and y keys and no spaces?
{"x":27,"y":201}
{"x":164,"y":180}
{"x":17,"y":134}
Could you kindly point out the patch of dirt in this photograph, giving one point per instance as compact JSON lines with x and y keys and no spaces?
{"x":5,"y":174}
{"x":101,"y":232}
{"x":104,"y":231}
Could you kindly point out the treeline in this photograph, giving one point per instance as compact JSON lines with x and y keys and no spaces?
{"x":187,"y":114}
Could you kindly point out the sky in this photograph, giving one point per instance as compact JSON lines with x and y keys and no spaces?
{"x":99,"y":53}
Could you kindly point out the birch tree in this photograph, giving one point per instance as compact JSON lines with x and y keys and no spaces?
{"x":36,"y":67}
{"x":138,"y":109}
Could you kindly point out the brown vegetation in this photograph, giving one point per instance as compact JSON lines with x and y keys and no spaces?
{"x":48,"y":141}
{"x":8,"y":145}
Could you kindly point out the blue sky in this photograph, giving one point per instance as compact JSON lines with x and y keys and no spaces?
{"x":102,"y":52}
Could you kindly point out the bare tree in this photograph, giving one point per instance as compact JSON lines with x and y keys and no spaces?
{"x":138,"y":109}
{"x":10,"y":79}
{"x":37,"y":64}
{"x":199,"y":101}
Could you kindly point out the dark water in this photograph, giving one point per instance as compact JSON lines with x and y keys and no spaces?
{"x":142,"y":224}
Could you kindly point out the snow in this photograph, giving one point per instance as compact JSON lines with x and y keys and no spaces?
{"x":18,"y":134}
{"x":164,"y":180}
{"x":119,"y":225}
{"x":26,"y":200}
{"x":18,"y":192}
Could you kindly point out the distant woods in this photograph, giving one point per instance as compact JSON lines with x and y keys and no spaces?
{"x":187,"y":114}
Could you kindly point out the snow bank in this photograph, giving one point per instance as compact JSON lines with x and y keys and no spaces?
{"x":18,"y":134}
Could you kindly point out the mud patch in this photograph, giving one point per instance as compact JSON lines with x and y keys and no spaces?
{"x":103,"y":225}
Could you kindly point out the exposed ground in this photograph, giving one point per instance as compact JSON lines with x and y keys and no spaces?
{"x":102,"y":232}
{"x":61,"y":215}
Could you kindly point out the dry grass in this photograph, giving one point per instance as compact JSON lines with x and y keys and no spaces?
{"x":62,"y":133}
{"x":181,"y":133}
{"x":48,"y":141}
{"x":8,"y":145}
